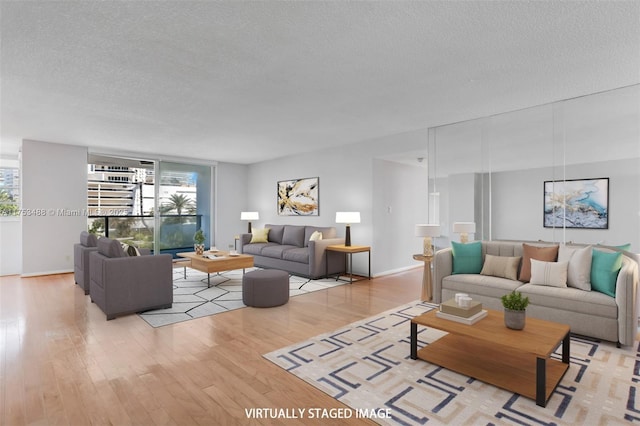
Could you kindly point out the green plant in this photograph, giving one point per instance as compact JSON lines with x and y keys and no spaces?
{"x":515,"y":301}
{"x":198,"y":237}
{"x":178,"y":202}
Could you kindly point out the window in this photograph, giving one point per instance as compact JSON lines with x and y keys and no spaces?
{"x":9,"y":191}
{"x":156,"y":205}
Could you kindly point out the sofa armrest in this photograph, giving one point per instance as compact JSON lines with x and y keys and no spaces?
{"x":244,"y":240}
{"x":317,"y":258}
{"x":626,"y":291}
{"x":442,"y":267}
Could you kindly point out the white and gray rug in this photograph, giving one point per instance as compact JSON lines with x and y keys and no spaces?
{"x":192,"y":299}
{"x":366,"y":365}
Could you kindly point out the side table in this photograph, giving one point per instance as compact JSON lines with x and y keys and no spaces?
{"x":427,"y":286}
{"x":348,"y":251}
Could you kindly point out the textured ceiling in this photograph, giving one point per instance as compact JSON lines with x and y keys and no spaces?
{"x":249,"y":81}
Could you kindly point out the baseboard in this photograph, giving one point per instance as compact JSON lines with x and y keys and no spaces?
{"x":38,"y":274}
{"x":395,"y":271}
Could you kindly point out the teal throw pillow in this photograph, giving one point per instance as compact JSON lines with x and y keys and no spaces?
{"x":604,"y":271}
{"x":467,"y":258}
{"x":625,"y":247}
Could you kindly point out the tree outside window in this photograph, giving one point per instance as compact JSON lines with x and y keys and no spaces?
{"x":9,"y":191}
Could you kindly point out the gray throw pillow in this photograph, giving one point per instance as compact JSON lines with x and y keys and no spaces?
{"x":293,"y":236}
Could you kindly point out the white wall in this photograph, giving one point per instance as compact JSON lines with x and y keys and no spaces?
{"x":230,"y":199}
{"x":349,"y":182}
{"x":54,"y":184}
{"x":10,"y":245}
{"x":400,"y":201}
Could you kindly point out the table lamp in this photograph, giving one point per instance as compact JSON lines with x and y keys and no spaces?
{"x":427,"y":231}
{"x":249,"y":216}
{"x":464,"y":229}
{"x":348,"y":218}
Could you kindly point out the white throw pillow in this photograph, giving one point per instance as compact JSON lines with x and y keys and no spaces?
{"x":579,"y":270}
{"x":549,"y":273}
{"x":317,"y":235}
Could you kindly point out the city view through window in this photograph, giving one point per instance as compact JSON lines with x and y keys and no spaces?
{"x":9,"y":191}
{"x":122,"y":205}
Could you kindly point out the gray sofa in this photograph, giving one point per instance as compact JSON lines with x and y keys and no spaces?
{"x":122,"y":284}
{"x":289,"y":248}
{"x":88,"y":243}
{"x":588,"y":313}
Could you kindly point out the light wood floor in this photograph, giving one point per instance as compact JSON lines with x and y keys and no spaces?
{"x":62,"y":363}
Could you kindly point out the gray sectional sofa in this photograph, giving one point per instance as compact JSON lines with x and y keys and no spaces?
{"x":290,"y":248}
{"x":589,"y":313}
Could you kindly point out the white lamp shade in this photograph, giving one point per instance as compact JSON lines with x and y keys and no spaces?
{"x":427,"y":230}
{"x":249,"y":216}
{"x":468,"y":227}
{"x":347,"y":217}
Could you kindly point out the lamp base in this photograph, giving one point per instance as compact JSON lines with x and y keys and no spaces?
{"x":427,"y":247}
{"x":464,"y":238}
{"x":347,"y":236}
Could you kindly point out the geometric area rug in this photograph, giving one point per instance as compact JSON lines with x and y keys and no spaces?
{"x":193,"y":299}
{"x":366,"y":365}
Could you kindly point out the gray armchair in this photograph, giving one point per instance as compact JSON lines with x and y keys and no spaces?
{"x":122,"y":284}
{"x":88,"y":243}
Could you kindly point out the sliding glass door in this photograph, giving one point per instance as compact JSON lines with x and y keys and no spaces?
{"x":120,"y":200}
{"x":184,"y":200}
{"x":157,"y":205}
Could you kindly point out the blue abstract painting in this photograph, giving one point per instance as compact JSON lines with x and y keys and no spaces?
{"x":578,"y":203}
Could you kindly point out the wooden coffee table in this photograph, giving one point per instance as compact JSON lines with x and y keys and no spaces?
{"x":224,"y":262}
{"x":515,"y":360}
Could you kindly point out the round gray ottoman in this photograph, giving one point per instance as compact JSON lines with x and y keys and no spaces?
{"x":265,"y":288}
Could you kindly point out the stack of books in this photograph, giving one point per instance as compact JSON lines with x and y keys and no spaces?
{"x":468,"y":315}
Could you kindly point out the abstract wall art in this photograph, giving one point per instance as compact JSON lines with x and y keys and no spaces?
{"x":298,"y":197}
{"x":577,"y":203}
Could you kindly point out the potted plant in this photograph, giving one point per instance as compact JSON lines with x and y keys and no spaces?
{"x":198,"y":238}
{"x":515,"y":306}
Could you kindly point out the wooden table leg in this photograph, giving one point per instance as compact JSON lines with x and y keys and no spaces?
{"x":427,"y":286}
{"x":414,"y":340}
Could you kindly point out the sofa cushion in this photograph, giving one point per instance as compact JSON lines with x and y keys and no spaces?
{"x":298,"y":254}
{"x":545,"y":254}
{"x":275,"y":250}
{"x":549,"y":273}
{"x":256,"y":248}
{"x":502,"y":248}
{"x":467,"y":258}
{"x":88,"y":240}
{"x":579,"y":270}
{"x":275,"y":233}
{"x":501,"y":266}
{"x":604,"y":271}
{"x":259,"y":235}
{"x":483,"y":285}
{"x":327,"y":232}
{"x":110,"y":248}
{"x":293,"y":235}
{"x":571,"y":299}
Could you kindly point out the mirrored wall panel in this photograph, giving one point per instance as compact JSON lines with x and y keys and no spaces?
{"x":566,"y":171}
